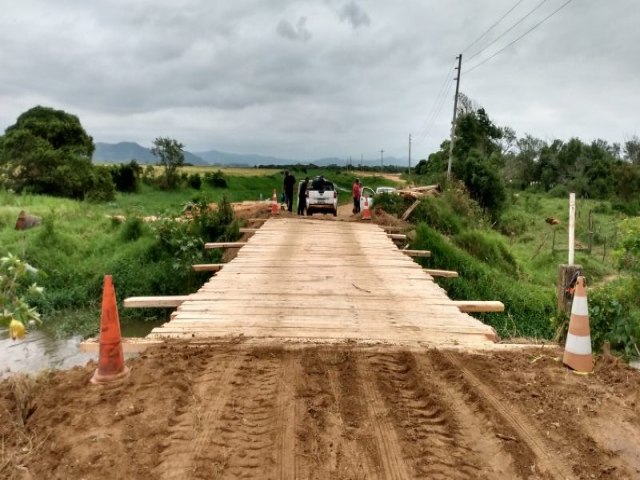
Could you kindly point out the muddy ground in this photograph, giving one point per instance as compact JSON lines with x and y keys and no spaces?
{"x":325,"y":412}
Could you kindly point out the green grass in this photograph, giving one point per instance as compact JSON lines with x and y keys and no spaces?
{"x":79,"y":242}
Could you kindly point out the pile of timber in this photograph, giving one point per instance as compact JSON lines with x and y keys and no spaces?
{"x":417,"y":193}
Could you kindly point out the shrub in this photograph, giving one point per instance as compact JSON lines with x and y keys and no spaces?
{"x":438,"y":215}
{"x":195,"y":181}
{"x":513,"y":223}
{"x":612,"y":318}
{"x":390,"y":203}
{"x":125,"y":176}
{"x":132,"y":229}
{"x":216,"y":179}
{"x":100,"y":185}
{"x":559,"y":191}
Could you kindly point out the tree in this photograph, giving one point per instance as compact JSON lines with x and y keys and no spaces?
{"x":47,"y":151}
{"x":170,"y":155}
{"x":632,"y":150}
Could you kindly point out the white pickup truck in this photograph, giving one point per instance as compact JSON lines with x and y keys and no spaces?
{"x":322,"y":196}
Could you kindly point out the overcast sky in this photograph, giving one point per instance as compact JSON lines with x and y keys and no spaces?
{"x":305,"y":79}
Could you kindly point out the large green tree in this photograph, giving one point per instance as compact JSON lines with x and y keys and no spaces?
{"x":170,"y":155}
{"x":48,"y":151}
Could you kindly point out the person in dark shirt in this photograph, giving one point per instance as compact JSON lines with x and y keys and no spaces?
{"x":302,"y":196}
{"x":289,"y":182}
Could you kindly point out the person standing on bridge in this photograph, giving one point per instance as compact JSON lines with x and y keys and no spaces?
{"x":357,"y":192}
{"x":289,"y":182}
{"x":302,"y":196}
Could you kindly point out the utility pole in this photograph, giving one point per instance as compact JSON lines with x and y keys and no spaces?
{"x":409,"y":170}
{"x":381,"y":159}
{"x":360,"y":160}
{"x":455,"y":111}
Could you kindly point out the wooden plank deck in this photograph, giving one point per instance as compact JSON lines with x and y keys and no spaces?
{"x":304,"y":279}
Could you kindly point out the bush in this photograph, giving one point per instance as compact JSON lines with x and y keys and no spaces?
{"x":613,"y":319}
{"x":132,"y":229}
{"x":438,"y":215}
{"x":125,"y":176}
{"x":100,"y":185}
{"x":559,"y":191}
{"x":216,"y":179}
{"x":195,"y":181}
{"x":513,"y":223}
{"x":390,"y":203}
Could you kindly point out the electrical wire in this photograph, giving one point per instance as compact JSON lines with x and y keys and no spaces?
{"x":520,"y":37}
{"x":507,"y":30}
{"x":446,"y":85}
{"x":492,"y":27}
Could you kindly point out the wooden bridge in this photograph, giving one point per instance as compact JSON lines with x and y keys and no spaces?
{"x":303,"y":279}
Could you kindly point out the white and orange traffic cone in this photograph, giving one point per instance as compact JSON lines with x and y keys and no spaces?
{"x":274,"y":203}
{"x":111,"y":365}
{"x":577,"y":351}
{"x":366,"y":214}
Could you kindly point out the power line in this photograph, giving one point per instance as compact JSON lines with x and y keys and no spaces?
{"x":427,"y":130}
{"x":491,"y":27}
{"x":521,"y":36}
{"x":508,"y":30}
{"x":441,"y":92}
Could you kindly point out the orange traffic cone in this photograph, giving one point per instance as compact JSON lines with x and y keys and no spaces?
{"x":366,"y":214}
{"x":111,"y":365}
{"x":274,"y":203}
{"x":577,"y":351}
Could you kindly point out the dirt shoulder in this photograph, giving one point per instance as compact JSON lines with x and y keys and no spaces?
{"x":237,"y":411}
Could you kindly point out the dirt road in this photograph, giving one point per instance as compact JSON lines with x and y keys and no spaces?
{"x":326,"y":412}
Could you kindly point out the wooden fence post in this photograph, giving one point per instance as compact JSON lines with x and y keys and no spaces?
{"x":565,"y":275}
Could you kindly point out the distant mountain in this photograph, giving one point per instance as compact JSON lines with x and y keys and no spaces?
{"x":215,"y":157}
{"x":124,"y":152}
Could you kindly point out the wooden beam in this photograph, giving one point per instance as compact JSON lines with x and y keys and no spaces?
{"x":170,"y":301}
{"x":473,"y":306}
{"x":397,"y":236}
{"x":417,"y":253}
{"x":129,"y":345}
{"x":249,"y":230}
{"x":224,"y":245}
{"x":410,"y":209}
{"x":441,"y":273}
{"x":208,"y":267}
{"x":258,"y":219}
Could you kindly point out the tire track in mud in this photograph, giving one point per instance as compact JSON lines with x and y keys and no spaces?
{"x":314,"y":401}
{"x":195,"y":420}
{"x":246,"y":431}
{"x":500,"y":458}
{"x":358,"y":456}
{"x":286,"y":460}
{"x":430,"y":438}
{"x":547,"y":459}
{"x":391,"y":457}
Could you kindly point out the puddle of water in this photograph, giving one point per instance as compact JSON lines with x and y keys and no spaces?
{"x":42,"y":350}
